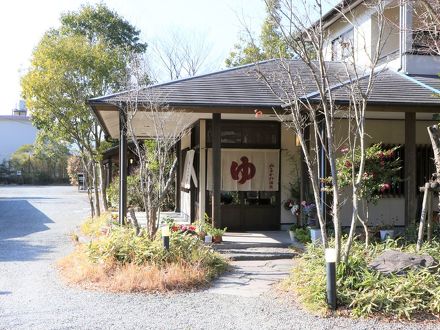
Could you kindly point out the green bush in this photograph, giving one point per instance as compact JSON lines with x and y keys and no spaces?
{"x":364,"y":291}
{"x":302,"y":235}
{"x":122,"y":246}
{"x":134,"y":195}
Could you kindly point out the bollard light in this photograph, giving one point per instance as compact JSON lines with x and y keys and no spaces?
{"x":166,"y":237}
{"x":330,"y":261}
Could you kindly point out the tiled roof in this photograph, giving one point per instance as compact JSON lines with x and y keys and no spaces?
{"x":237,"y":87}
{"x":244,"y":87}
{"x":393,"y":88}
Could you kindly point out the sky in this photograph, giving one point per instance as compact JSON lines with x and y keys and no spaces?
{"x":219,"y":22}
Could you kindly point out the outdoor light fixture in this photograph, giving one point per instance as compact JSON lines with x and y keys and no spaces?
{"x":166,"y":237}
{"x":258,"y":113}
{"x":297,"y":141}
{"x":330,"y":261}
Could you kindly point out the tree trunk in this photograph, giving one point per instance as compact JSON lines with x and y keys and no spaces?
{"x":134,"y":222}
{"x":354,"y":219}
{"x":103,"y":186}
{"x":423,"y":217}
{"x":96,"y":189}
{"x":434,"y":135}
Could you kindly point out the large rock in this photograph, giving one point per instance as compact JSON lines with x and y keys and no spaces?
{"x":398,"y":262}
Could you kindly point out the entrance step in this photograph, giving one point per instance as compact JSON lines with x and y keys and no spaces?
{"x":241,"y":252}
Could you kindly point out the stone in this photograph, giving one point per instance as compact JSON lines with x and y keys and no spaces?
{"x":398,"y":262}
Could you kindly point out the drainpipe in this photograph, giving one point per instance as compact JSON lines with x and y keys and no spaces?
{"x":406,"y":41}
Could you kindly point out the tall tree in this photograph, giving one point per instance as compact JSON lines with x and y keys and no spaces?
{"x":86,"y":57}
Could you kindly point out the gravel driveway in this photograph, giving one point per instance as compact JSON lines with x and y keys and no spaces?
{"x":34,"y":227}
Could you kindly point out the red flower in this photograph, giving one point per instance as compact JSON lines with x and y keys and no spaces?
{"x":347,"y":164}
{"x":174,"y":228}
{"x":385,"y":186}
{"x":192,"y":228}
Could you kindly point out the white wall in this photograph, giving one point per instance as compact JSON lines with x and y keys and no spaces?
{"x":15,"y":131}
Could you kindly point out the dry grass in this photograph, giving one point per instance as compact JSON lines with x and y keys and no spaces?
{"x":77,"y":269}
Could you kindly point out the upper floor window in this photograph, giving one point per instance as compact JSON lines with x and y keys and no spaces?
{"x":341,"y":46}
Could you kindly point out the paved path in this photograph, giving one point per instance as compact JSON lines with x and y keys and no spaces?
{"x":251,"y":278}
{"x":35,"y":223}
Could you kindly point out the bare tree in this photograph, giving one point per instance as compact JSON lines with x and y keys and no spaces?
{"x":308,"y":87}
{"x":181,"y":55}
{"x":156,"y":149}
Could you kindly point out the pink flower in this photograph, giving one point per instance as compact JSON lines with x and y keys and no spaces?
{"x":347,"y":164}
{"x":344,"y":150}
{"x":385,"y":187}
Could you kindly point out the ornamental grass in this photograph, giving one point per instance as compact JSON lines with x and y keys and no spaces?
{"x":116,"y":259}
{"x":363,"y":292}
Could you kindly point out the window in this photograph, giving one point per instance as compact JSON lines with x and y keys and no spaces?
{"x":342,"y":46}
{"x":247,"y":134}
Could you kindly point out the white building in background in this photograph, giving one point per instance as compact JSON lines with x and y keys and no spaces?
{"x":15,"y":130}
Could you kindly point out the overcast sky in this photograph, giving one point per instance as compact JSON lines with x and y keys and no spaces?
{"x":22,"y":24}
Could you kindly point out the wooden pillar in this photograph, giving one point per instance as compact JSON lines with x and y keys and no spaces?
{"x":410,"y":168}
{"x":216,"y":169}
{"x":177,"y":177}
{"x":122,"y":166}
{"x":202,"y":170}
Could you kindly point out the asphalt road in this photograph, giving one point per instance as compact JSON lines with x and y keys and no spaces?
{"x":35,"y":223}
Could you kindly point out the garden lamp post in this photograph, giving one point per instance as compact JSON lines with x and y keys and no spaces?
{"x":330,"y":261}
{"x":166,"y":237}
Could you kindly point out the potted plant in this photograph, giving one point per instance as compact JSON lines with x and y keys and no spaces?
{"x":217,"y":234}
{"x":309,"y":210}
{"x":386,"y":231}
{"x":292,"y":230}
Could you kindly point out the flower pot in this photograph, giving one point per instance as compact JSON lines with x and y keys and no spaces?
{"x":315,"y":235}
{"x":217,"y":239}
{"x":292,"y":236}
{"x":386,"y":234}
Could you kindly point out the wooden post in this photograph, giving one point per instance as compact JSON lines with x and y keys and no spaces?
{"x":423,"y":216}
{"x":216,"y":169}
{"x":122,"y":166}
{"x":178,"y":176}
{"x":429,"y":217}
{"x":410,"y":168}
{"x":202,"y":171}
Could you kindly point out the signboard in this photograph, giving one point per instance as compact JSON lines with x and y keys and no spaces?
{"x":247,"y":169}
{"x":188,"y":171}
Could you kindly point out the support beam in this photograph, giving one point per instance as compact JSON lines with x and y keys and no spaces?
{"x":178,"y":176}
{"x":122,"y":166}
{"x":202,"y":170}
{"x":410,"y":168}
{"x":216,"y":169}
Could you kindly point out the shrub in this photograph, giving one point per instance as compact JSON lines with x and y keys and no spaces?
{"x":134,"y":194}
{"x":119,"y":253}
{"x":364,"y":291}
{"x":302,"y":235}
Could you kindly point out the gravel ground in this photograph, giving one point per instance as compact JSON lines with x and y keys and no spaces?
{"x":34,"y":227}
